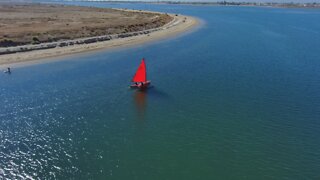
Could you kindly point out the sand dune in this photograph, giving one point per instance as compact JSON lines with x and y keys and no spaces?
{"x":145,"y":33}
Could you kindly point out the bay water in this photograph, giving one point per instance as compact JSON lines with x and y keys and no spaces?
{"x":238,"y":97}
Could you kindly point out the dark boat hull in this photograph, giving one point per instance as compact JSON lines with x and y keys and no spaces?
{"x":141,"y":85}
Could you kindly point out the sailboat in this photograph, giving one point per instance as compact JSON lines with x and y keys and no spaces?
{"x":140,"y":78}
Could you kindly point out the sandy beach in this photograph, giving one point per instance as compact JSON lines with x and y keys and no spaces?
{"x":178,"y":24}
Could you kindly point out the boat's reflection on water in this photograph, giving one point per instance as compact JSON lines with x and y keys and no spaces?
{"x":140,"y":101}
{"x":140,"y":98}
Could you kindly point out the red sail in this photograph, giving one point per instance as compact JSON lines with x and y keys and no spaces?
{"x":141,"y":74}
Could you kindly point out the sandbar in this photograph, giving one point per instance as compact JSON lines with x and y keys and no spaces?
{"x":177,"y":24}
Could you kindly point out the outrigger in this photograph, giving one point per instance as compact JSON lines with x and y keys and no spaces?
{"x":140,"y":78}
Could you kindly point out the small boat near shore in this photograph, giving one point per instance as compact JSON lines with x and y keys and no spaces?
{"x":140,"y":78}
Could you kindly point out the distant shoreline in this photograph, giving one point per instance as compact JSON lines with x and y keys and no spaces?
{"x":179,"y":24}
{"x":225,"y":3}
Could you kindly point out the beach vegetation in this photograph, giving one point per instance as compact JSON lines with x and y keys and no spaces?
{"x":35,"y":40}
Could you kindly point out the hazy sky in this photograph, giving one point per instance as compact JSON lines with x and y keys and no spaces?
{"x":295,"y":1}
{"x":280,"y":1}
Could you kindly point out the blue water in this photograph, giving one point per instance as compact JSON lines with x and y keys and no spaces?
{"x":236,"y":98}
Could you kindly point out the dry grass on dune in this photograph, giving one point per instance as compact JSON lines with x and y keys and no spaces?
{"x":34,"y":23}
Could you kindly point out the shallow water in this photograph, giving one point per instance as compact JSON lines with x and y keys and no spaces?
{"x":236,"y":99}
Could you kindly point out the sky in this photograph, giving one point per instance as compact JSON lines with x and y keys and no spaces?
{"x":278,"y":1}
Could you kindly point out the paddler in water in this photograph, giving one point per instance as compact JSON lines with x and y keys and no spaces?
{"x":8,"y":70}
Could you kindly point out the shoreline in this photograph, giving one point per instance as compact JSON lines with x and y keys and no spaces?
{"x":229,"y":3}
{"x":178,"y":25}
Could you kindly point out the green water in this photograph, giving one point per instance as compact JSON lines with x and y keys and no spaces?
{"x":237,"y":98}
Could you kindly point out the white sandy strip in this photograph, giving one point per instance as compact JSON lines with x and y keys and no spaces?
{"x":178,"y":25}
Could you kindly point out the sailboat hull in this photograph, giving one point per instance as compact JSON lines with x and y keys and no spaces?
{"x":142,"y":85}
